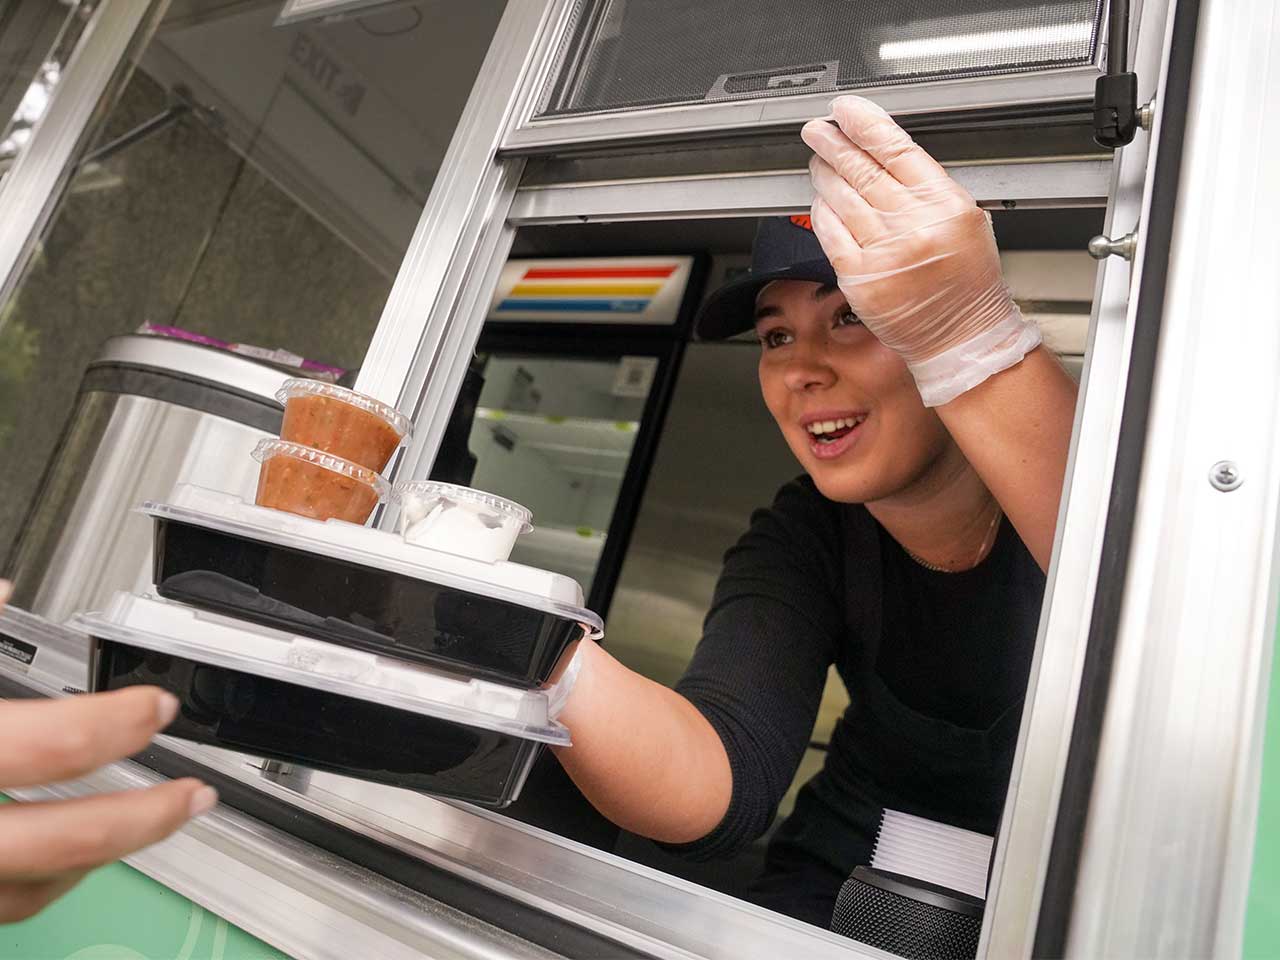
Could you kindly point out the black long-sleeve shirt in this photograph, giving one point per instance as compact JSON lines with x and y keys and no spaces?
{"x":956,"y":646}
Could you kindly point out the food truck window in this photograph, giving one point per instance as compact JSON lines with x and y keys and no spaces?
{"x":250,"y":183}
{"x":704,"y":480}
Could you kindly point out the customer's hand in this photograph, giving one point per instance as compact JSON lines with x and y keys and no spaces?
{"x":47,"y":846}
{"x":914,"y":255}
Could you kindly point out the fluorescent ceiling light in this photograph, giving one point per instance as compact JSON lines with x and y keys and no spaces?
{"x":297,"y":11}
{"x":1024,"y":39}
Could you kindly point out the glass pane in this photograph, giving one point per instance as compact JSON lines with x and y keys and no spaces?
{"x":626,"y":54}
{"x":37,"y":38}
{"x":555,"y":434}
{"x":252,"y":184}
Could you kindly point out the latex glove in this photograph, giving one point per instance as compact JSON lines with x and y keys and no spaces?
{"x":47,"y":846}
{"x":913,"y":253}
{"x":563,"y":679}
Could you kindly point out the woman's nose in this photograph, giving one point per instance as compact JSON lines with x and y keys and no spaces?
{"x":807,"y":369}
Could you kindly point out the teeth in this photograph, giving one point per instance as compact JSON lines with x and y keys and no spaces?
{"x":831,"y":426}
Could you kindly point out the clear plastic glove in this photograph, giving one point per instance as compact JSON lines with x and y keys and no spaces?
{"x":913,"y":253}
{"x":47,"y":846}
{"x":563,"y":679}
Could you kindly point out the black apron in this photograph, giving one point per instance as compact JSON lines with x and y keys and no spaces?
{"x":883,"y":754}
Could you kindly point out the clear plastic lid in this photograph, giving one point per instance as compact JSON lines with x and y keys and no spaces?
{"x":540,"y":590}
{"x":302,"y":387}
{"x":407,"y":491}
{"x":181,"y":631}
{"x":266,"y":449}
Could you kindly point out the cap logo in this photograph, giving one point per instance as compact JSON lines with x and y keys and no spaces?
{"x":803,"y":221}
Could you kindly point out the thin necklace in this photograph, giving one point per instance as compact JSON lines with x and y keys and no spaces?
{"x":986,"y":544}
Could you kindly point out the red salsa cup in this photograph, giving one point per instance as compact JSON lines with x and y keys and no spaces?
{"x":341,"y":422}
{"x":315,"y":484}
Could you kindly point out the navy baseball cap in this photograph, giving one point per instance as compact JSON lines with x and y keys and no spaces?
{"x":784,"y":249}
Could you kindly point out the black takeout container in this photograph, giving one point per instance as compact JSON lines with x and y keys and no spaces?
{"x":365,"y":589}
{"x":356,"y":716}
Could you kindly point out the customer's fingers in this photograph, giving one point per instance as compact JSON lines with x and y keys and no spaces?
{"x":43,"y":741}
{"x":18,"y":901}
{"x":41,"y":840}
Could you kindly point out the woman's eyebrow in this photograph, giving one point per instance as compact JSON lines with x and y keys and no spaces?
{"x":764,"y":311}
{"x":825,"y":291}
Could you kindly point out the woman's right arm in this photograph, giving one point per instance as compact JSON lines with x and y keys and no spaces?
{"x":715,"y":755}
{"x":642,"y":754}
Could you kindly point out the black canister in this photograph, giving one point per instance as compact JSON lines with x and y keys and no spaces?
{"x":911,"y":918}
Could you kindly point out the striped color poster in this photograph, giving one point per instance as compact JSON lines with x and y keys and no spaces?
{"x":633,"y":290}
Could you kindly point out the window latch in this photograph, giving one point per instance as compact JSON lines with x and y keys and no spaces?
{"x":1115,"y":95}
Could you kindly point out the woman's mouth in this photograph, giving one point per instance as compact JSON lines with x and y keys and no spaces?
{"x":829,"y":439}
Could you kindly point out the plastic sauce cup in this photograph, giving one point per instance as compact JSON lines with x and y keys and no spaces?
{"x":461,"y":520}
{"x":342,"y":422}
{"x":315,"y":484}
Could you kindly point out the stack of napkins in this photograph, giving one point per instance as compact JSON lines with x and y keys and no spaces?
{"x":934,"y":852}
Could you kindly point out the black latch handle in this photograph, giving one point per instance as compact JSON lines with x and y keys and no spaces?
{"x":1115,"y":109}
{"x":1115,"y":96}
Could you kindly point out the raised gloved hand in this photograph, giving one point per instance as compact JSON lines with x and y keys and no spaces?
{"x":913,"y":253}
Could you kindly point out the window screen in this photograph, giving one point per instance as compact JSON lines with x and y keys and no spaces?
{"x":628,"y":54}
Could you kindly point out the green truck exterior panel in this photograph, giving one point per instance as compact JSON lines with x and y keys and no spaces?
{"x":117,"y":913}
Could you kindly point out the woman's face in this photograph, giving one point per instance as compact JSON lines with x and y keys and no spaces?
{"x":845,"y":403}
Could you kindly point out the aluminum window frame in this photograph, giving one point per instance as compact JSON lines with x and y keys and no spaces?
{"x":774,"y":193}
{"x":1061,"y":85}
{"x":1168,"y":844}
{"x":1030,"y":814}
{"x":1029,"y":823}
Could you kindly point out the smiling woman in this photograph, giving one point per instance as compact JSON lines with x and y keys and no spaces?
{"x":908,"y":386}
{"x":833,"y":387}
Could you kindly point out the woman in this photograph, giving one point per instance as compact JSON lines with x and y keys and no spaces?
{"x":933,"y":428}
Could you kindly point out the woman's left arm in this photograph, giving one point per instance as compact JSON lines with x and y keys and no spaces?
{"x":1015,"y":428}
{"x":916,"y":258}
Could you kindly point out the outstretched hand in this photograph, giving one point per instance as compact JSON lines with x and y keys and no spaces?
{"x":46,"y":847}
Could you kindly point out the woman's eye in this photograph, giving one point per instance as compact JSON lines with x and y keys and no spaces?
{"x":846,"y":318}
{"x":774,"y":338}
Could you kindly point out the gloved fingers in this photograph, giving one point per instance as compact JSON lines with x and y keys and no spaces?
{"x":861,"y":219}
{"x":840,"y":246}
{"x":856,"y":166}
{"x":868,"y":126}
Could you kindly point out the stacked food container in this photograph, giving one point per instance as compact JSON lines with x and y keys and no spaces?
{"x":290,"y":630}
